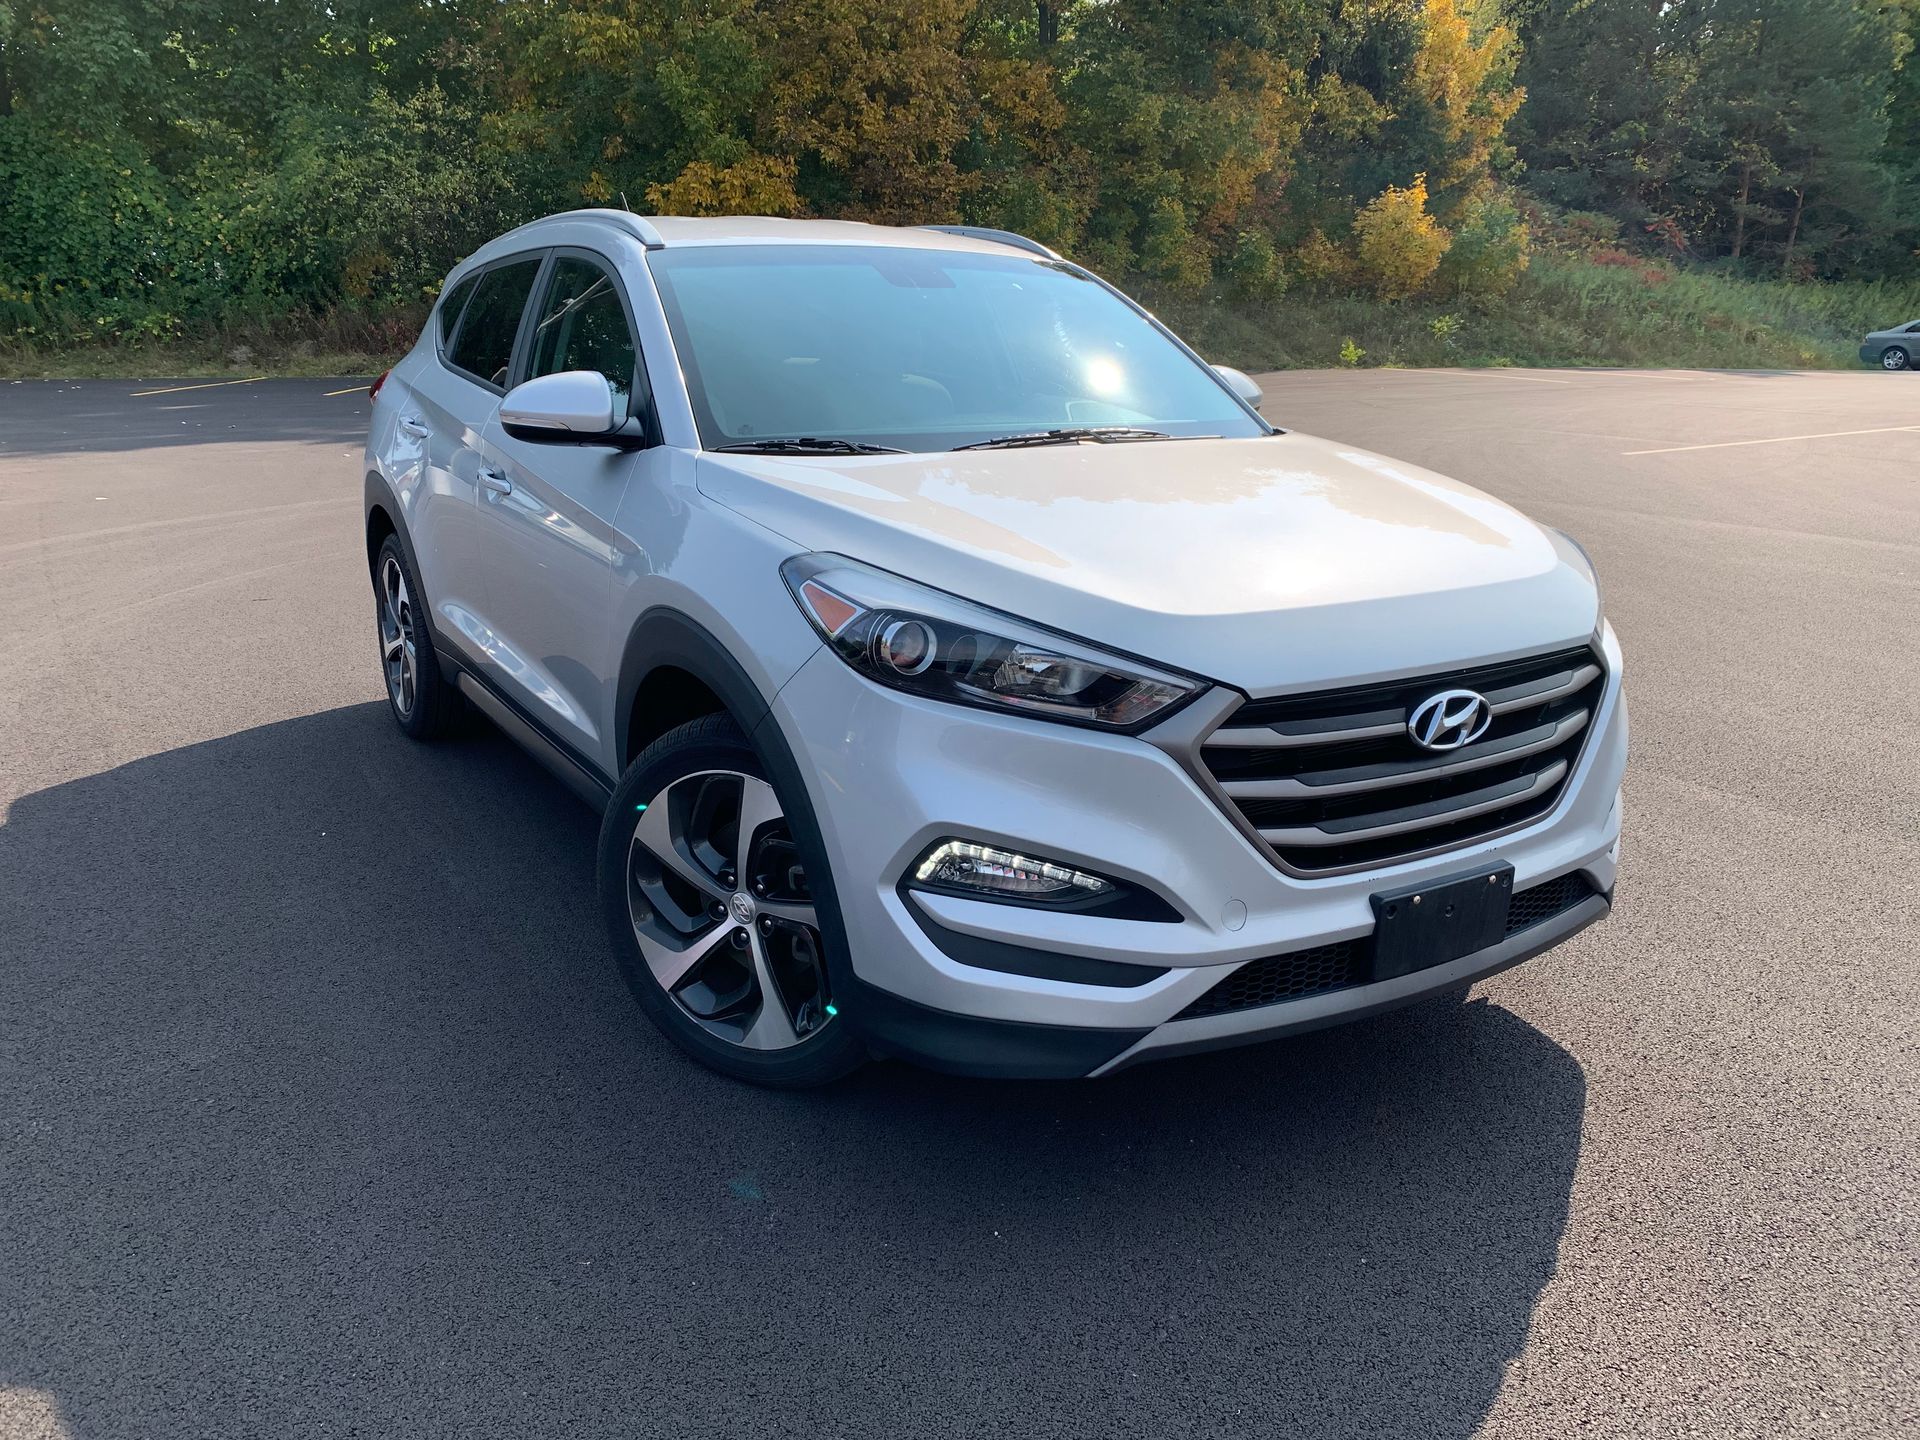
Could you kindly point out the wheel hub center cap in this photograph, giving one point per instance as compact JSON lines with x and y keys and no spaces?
{"x":742,"y":907}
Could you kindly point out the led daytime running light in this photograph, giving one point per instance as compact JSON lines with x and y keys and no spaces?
{"x":966,"y":865}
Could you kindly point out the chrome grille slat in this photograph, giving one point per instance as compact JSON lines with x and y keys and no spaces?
{"x":1373,"y":727}
{"x":1424,"y":817}
{"x":1473,"y":757}
{"x":1506,"y":700}
{"x":1262,"y":737}
{"x":1331,"y":781}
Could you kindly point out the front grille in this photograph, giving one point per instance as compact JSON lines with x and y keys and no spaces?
{"x":1332,"y":781}
{"x":1350,"y":962}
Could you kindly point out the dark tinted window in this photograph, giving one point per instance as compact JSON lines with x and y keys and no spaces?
{"x":485,"y":344}
{"x":582,"y":325}
{"x":450,"y":307}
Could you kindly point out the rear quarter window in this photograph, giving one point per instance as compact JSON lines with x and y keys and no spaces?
{"x":451,"y":304}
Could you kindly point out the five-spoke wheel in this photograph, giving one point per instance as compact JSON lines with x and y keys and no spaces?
{"x":397,"y":643}
{"x":422,"y":701}
{"x":721,"y":916}
{"x":721,"y":911}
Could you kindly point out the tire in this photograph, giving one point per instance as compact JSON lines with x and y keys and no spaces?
{"x":718,"y":934}
{"x":1894,"y":357}
{"x":422,"y":703}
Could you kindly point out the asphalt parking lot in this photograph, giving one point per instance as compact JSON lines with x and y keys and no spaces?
{"x":322,"y":1111}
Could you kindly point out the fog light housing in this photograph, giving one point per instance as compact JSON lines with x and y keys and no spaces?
{"x":964,"y":867}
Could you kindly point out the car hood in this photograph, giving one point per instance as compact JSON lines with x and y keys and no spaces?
{"x":1277,"y":563}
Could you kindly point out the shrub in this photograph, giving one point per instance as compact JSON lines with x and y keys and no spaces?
{"x":1254,"y":272}
{"x":1490,"y":250}
{"x":1319,"y":261}
{"x":1397,"y":243}
{"x":1584,"y":232}
{"x":1169,"y":250}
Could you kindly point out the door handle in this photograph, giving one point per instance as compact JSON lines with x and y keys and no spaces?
{"x":496,"y":482}
{"x":414,"y":426}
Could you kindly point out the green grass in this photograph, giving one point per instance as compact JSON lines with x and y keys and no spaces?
{"x":179,"y":362}
{"x":1564,"y":312}
{"x":346,"y":342}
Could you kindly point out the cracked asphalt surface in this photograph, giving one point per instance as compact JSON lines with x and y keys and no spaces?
{"x":323,"y":1113}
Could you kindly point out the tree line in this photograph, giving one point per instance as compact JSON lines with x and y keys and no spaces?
{"x":167,"y":163}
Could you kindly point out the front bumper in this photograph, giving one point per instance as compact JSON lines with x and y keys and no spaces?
{"x":969,"y":1045}
{"x":890,"y":774}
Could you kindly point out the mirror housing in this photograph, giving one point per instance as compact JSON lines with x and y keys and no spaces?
{"x":1240,"y":383}
{"x":573,"y":407}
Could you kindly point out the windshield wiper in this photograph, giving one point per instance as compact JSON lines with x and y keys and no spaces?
{"x":808,"y":445}
{"x":1069,"y":435}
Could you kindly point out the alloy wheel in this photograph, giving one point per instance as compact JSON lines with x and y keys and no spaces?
{"x":1894,"y":359}
{"x":397,"y":640}
{"x":722,"y":913}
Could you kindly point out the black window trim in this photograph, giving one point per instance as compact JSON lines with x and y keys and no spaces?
{"x":543,"y":258}
{"x":640,"y":404}
{"x":443,"y":336}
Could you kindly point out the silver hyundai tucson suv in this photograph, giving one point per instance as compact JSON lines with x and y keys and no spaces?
{"x":964,"y":669}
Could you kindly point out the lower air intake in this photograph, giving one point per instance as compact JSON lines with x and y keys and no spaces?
{"x":1299,"y":973}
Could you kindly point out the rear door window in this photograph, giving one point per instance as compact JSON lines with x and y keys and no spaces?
{"x":484,"y":346}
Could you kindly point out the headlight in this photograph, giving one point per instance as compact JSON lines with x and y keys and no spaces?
{"x":930,"y":643}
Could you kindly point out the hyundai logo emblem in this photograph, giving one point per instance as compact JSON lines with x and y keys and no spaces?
{"x":1450,"y":719}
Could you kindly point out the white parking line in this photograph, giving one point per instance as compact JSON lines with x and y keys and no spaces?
{"x":1495,"y":372}
{"x":1774,"y":440}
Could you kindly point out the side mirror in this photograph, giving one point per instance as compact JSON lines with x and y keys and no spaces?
{"x":574,"y":407}
{"x":1240,"y":383}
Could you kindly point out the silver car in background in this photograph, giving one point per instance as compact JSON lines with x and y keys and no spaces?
{"x":1892,"y":349}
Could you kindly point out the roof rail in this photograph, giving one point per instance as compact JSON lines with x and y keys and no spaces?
{"x":639,"y":226}
{"x":1004,"y":237}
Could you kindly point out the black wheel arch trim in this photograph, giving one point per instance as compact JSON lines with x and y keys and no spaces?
{"x":665,"y":637}
{"x":378,"y":494}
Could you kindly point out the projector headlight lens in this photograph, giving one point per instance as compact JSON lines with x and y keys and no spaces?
{"x":930,"y":643}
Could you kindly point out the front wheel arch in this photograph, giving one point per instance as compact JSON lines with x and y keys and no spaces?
{"x":665,"y":638}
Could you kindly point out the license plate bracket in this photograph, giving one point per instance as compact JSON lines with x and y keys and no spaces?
{"x":1421,"y":926}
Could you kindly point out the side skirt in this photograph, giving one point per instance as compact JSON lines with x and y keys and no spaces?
{"x":572,"y":771}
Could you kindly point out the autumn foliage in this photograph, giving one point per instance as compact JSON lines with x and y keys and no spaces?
{"x":173,"y":163}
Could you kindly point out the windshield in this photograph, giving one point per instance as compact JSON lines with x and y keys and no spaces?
{"x":920,"y":349}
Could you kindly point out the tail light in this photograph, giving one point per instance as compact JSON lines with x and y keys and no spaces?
{"x":373,"y":390}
